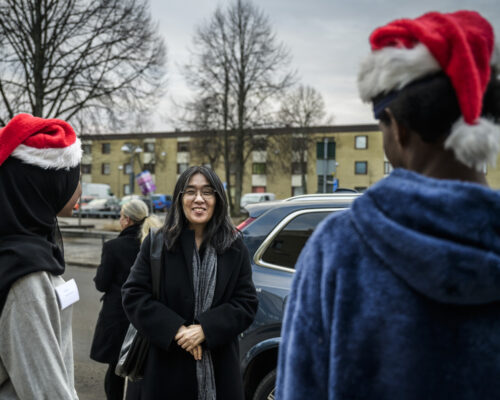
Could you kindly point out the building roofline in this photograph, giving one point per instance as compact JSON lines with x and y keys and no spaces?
{"x":255,"y":131}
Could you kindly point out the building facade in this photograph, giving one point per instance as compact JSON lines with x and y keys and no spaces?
{"x":350,"y":157}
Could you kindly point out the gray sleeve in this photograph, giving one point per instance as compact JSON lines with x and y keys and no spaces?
{"x":36,"y":345}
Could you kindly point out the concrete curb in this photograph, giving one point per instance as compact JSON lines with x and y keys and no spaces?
{"x":81,"y":264}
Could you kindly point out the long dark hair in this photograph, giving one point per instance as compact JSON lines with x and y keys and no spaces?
{"x":219,"y":231}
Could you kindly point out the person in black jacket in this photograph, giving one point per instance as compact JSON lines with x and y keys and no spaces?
{"x":117,"y":258}
{"x":207,"y":297}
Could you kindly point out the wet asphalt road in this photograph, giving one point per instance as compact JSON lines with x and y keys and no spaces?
{"x":89,"y":375}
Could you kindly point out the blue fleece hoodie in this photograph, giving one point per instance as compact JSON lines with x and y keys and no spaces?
{"x":398,"y":297}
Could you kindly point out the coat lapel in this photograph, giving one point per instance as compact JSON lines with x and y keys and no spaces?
{"x":224,"y":272}
{"x":187,"y":246}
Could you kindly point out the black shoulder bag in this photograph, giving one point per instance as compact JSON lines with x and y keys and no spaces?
{"x":135,"y":347}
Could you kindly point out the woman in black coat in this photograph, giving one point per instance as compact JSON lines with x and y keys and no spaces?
{"x":207,"y":297}
{"x":117,"y":258}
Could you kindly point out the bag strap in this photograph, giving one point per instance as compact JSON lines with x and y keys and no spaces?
{"x":155,"y":259}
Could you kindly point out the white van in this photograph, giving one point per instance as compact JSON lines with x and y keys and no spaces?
{"x":249,"y":198}
{"x":96,"y":190}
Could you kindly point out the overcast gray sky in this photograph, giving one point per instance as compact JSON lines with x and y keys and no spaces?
{"x":327,"y":40}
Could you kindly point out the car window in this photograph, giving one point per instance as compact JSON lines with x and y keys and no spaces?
{"x":287,"y":245}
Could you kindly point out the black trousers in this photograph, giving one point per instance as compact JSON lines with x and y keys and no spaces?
{"x":113,"y":384}
{"x":133,"y":391}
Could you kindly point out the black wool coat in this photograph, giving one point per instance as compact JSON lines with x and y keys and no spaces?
{"x":118,"y":256}
{"x":171,"y":371}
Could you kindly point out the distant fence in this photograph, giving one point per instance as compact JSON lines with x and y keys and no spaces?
{"x":79,"y":233}
{"x":96,"y":214}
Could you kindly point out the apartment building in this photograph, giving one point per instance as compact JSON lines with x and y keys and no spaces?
{"x":348,"y":156}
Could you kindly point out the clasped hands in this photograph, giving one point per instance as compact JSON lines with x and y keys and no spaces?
{"x":190,"y":339}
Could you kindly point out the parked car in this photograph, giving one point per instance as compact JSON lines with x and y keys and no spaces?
{"x":161,"y":202}
{"x":324,"y":196}
{"x":84,"y":200}
{"x":127,"y":198}
{"x":275,"y":233}
{"x":98,"y":208}
{"x":250,"y":198}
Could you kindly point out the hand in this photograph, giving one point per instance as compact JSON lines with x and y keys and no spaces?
{"x":197,"y":353}
{"x":180,"y":330}
{"x":190,"y":337}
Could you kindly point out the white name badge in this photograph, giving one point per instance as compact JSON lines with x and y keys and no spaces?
{"x":67,"y":293}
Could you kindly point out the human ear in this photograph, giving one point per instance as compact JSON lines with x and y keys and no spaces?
{"x":399,"y":132}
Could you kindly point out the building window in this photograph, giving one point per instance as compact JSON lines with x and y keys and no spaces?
{"x":232,"y":168}
{"x":149,"y":167}
{"x":182,"y":147}
{"x":328,"y":188}
{"x":299,"y":168}
{"x":149,"y":147}
{"x":297,"y":190}
{"x":300,"y":143}
{"x":361,"y":167}
{"x":106,"y":148}
{"x":260,"y":144}
{"x":259,"y":168}
{"x":87,"y":148}
{"x":320,"y":150}
{"x":86,"y":168}
{"x":181,"y":167}
{"x":258,"y":189}
{"x":105,"y":169}
{"x":127,"y":169}
{"x":387,"y":167}
{"x":361,"y":142}
{"x":126,"y":189}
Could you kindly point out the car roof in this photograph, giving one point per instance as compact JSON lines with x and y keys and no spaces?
{"x":255,"y":210}
{"x":324,"y":196}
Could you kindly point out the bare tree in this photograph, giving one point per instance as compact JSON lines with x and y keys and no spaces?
{"x":202,"y":115}
{"x":302,"y":108}
{"x":90,"y":62}
{"x":238,"y":63}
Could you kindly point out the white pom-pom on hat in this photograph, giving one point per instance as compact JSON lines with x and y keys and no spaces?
{"x":474,"y":145}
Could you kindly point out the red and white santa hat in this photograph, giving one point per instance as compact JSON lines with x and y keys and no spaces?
{"x":46,"y":143}
{"x":460,"y":44}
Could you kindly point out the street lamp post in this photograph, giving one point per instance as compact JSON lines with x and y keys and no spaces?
{"x":120,"y":169}
{"x":131,"y":149}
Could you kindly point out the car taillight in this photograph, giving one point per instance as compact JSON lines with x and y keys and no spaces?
{"x":245,"y":223}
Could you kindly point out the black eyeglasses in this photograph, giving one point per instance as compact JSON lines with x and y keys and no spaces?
{"x":206,"y":193}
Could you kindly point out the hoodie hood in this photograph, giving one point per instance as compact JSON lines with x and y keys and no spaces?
{"x":441,"y":237}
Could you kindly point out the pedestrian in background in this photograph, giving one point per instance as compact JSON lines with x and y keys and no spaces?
{"x":207,"y":297}
{"x":39,"y":179}
{"x":117,"y":258}
{"x":399,"y":297}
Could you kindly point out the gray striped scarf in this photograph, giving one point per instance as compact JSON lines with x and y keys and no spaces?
{"x":204,"y":276}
